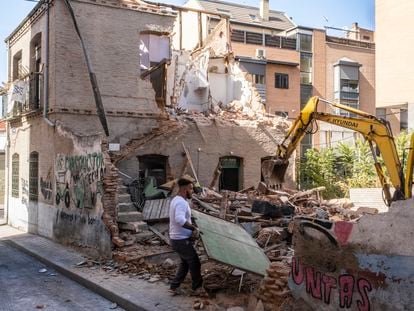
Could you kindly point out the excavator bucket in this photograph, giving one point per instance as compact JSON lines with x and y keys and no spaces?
{"x":273,"y":171}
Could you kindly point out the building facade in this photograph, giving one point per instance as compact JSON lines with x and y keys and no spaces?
{"x":394,"y":37}
{"x":101,"y":91}
{"x":290,"y":63}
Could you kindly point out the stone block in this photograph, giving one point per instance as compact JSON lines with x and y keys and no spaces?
{"x":124,"y":198}
{"x":126,"y":207}
{"x":122,"y":189}
{"x":125,"y":217}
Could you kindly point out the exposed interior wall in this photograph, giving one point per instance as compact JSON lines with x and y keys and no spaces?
{"x":210,"y":77}
{"x":209,"y":139}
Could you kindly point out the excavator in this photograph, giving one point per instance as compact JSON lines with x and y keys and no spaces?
{"x":374,"y":130}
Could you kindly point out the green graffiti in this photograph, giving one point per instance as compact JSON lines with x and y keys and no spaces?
{"x":81,"y":177}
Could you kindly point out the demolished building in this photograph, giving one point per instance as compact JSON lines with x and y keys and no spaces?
{"x":121,"y":73}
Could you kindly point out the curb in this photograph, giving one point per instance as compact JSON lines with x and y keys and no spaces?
{"x":98,"y":289}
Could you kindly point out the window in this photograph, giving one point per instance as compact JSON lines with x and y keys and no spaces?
{"x":253,"y":17}
{"x":281,"y":80}
{"x":305,"y":94}
{"x":305,"y":68}
{"x":33,"y":176}
{"x":153,"y":48}
{"x":346,"y":84}
{"x":274,"y":41}
{"x":259,"y":79}
{"x":17,"y":65}
{"x":237,"y":35}
{"x":366,"y":37}
{"x":35,"y":71}
{"x":254,"y":38}
{"x":305,"y":43}
{"x":15,"y":175}
{"x":283,"y":114}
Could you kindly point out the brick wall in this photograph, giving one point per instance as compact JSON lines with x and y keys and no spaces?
{"x":277,"y":99}
{"x":111,"y":36}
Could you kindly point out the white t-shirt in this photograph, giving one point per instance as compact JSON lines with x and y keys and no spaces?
{"x":180,"y":213}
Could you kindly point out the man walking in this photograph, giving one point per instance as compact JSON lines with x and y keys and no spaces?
{"x":181,"y":232}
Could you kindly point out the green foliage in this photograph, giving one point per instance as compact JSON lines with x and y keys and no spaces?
{"x":318,"y":170}
{"x":345,"y":166}
{"x":402,"y":142}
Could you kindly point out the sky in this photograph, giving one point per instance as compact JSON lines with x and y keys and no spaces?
{"x":315,"y":13}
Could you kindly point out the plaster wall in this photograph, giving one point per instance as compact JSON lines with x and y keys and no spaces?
{"x":69,"y":205}
{"x":394,"y":37}
{"x":364,"y":265}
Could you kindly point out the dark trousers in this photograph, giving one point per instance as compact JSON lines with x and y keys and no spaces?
{"x":189,"y":261}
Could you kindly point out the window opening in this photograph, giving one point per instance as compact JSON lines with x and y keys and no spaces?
{"x":281,"y":80}
{"x":33,"y":176}
{"x":15,"y":175}
{"x":231,"y":173}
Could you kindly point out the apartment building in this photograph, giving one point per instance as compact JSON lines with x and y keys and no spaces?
{"x":394,"y":36}
{"x":290,"y":63}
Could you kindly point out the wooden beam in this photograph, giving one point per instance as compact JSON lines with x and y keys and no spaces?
{"x":187,"y":153}
{"x":160,"y":235}
{"x":200,"y":30}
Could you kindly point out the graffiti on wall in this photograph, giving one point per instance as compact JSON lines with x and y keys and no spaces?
{"x":25,"y":191}
{"x":79,"y":180}
{"x":46,"y":186}
{"x":83,"y":219}
{"x":351,"y":289}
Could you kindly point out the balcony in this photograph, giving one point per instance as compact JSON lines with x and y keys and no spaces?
{"x":256,"y":38}
{"x":26,"y":95}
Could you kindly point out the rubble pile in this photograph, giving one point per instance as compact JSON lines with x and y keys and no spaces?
{"x":266,"y":214}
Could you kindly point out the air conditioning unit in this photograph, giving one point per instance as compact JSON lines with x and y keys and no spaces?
{"x":260,"y":53}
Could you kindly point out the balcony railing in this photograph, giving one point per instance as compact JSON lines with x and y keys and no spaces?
{"x":257,"y":38}
{"x":349,"y":42}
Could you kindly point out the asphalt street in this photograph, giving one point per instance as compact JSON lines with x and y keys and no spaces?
{"x":27,"y":284}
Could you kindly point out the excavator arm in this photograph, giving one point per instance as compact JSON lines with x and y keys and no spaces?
{"x":373,"y":129}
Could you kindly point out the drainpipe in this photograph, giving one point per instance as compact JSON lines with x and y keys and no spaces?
{"x":46,"y":74}
{"x":7,"y":152}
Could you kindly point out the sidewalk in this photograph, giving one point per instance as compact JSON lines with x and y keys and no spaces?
{"x":129,"y":293}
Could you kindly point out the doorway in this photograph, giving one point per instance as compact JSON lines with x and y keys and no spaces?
{"x":231,"y":173}
{"x":154,"y":165}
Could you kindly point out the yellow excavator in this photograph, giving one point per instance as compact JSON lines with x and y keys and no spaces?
{"x":374,"y":130}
